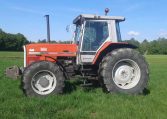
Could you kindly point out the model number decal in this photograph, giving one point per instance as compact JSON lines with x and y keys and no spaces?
{"x":44,"y":49}
{"x":31,"y":50}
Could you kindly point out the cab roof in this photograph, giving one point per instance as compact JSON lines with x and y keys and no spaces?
{"x":97,"y":17}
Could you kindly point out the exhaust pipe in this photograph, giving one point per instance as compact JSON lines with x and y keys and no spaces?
{"x":48,"y":28}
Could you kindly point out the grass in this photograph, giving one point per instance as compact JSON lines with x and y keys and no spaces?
{"x":82,"y":103}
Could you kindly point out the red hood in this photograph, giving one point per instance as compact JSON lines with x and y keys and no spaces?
{"x":46,"y":47}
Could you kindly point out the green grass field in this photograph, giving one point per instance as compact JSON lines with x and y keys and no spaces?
{"x":81,"y":103}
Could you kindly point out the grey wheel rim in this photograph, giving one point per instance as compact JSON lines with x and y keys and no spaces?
{"x":43,"y":82}
{"x":126,"y":74}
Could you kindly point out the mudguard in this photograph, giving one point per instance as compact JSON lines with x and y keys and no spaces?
{"x":108,"y":47}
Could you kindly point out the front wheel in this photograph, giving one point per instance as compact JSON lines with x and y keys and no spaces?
{"x":124,"y":70}
{"x":42,"y":79}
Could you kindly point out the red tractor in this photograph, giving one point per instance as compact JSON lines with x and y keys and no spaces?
{"x":97,"y":52}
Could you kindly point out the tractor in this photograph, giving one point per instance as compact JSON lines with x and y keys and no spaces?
{"x":96,"y":52}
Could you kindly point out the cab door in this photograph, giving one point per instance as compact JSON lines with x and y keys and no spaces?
{"x":95,"y":33}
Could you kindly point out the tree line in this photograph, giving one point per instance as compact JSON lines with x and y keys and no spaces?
{"x":15,"y":42}
{"x":12,"y":42}
{"x":158,"y":46}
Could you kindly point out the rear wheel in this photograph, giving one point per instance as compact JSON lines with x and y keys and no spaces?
{"x":43,"y":79}
{"x":124,"y":70}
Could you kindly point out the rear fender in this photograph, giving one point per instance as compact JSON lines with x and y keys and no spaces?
{"x":108,"y":47}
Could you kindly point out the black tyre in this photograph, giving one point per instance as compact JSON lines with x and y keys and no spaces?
{"x":42,"y":79}
{"x":124,"y":70}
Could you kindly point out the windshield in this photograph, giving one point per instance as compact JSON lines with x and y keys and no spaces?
{"x":77,"y":33}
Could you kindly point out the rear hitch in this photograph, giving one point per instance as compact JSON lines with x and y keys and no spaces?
{"x":13,"y":72}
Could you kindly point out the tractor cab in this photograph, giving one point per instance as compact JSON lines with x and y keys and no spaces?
{"x":93,"y":32}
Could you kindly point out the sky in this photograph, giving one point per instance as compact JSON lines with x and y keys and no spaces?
{"x":145,"y":19}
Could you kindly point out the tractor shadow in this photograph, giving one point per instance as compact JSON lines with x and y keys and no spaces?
{"x":146,"y":92}
{"x":91,"y":88}
{"x":69,"y":87}
{"x":73,"y":85}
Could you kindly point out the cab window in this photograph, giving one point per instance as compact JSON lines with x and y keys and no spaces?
{"x":95,"y":34}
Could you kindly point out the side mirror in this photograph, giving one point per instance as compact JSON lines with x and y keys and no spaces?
{"x":77,"y":42}
{"x":70,"y":28}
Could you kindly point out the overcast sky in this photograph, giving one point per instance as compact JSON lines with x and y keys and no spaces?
{"x":144,"y":18}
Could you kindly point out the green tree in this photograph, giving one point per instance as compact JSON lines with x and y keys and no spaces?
{"x":133,"y":41}
{"x":144,"y":47}
{"x":12,"y":42}
{"x":162,"y":45}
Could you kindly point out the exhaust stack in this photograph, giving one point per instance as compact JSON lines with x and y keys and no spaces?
{"x":48,"y":28}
